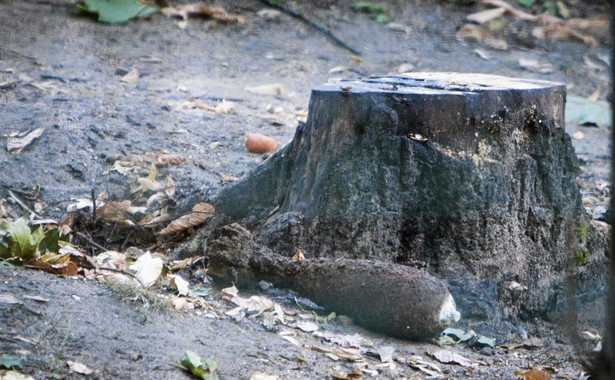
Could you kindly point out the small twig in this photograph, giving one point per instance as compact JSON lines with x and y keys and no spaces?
{"x":322,"y":29}
{"x":93,"y":205}
{"x":95,"y":244}
{"x":22,"y":204}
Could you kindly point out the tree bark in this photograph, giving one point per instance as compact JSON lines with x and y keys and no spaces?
{"x":470,"y":176}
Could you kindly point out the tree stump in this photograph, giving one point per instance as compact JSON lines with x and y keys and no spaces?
{"x":471,"y":176}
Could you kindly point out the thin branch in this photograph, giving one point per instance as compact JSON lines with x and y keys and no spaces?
{"x":22,"y":204}
{"x":95,"y":244}
{"x":123,"y":272}
{"x":322,"y":29}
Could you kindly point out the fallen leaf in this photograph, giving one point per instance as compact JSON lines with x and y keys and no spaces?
{"x":178,"y":303}
{"x":350,"y":341}
{"x":386,"y":354}
{"x":291,"y":340}
{"x":79,"y":368}
{"x":588,"y":335}
{"x":298,"y":256}
{"x":9,"y":299}
{"x":15,"y":375}
{"x":200,"y":213}
{"x":536,"y":66}
{"x":429,"y":368}
{"x":482,"y":54}
{"x":447,"y":357}
{"x":399,"y":27}
{"x":274,"y":89}
{"x":202,"y":10}
{"x":269,"y":14}
{"x":263,"y":376}
{"x":485,"y":341}
{"x":229,"y":293}
{"x":131,"y":77}
{"x":347,"y":354}
{"x":36,"y":298}
{"x":355,"y":374}
{"x":182,"y":286}
{"x":147,"y":268}
{"x":510,"y":9}
{"x":226,"y":177}
{"x":533,"y":374}
{"x":110,"y":259}
{"x":120,"y":211}
{"x":203,"y":370}
{"x":307,"y":326}
{"x":338,"y":69}
{"x":17,"y":141}
{"x":472,"y":33}
{"x":116,"y":11}
{"x":484,"y":17}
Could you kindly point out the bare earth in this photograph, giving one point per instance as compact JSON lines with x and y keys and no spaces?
{"x":65,"y":73}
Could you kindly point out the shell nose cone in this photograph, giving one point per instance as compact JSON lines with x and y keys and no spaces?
{"x":448,"y":312}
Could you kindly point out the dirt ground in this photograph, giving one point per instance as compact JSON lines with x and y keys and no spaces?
{"x":62,"y":71}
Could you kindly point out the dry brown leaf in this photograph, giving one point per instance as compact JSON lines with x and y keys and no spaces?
{"x":347,"y":354}
{"x":17,"y":141}
{"x":533,"y":374}
{"x":200,"y":213}
{"x":110,"y":259}
{"x":229,"y":293}
{"x":298,"y":255}
{"x":472,"y":33}
{"x":178,"y":303}
{"x":225,"y":106}
{"x":274,"y":89}
{"x":226,"y":177}
{"x":169,"y":159}
{"x":484,"y":17}
{"x":355,"y":374}
{"x":447,"y":357}
{"x":510,"y":9}
{"x":496,"y":43}
{"x":417,"y":362}
{"x":79,"y":368}
{"x":564,"y":30}
{"x":67,"y":268}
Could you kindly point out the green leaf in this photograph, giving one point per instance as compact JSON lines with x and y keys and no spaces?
{"x":22,"y":242}
{"x":12,"y":361}
{"x":117,"y":11}
{"x":382,"y":18}
{"x":369,"y":7}
{"x":551,"y":7}
{"x":485,"y":341}
{"x":50,"y":241}
{"x":526,"y":3}
{"x":193,"y":363}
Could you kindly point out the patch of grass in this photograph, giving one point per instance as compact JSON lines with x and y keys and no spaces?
{"x":581,"y":255}
{"x":583,"y":230}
